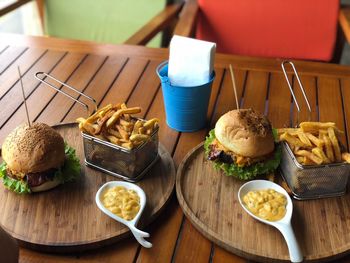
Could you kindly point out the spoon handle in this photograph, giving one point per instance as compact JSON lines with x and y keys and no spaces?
{"x":139,"y":235}
{"x":292,"y":243}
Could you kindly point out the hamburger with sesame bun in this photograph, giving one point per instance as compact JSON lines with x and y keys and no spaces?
{"x":36,"y":158}
{"x":242,"y":144}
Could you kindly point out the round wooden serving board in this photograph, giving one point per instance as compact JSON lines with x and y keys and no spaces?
{"x":67,"y":219}
{"x":209,"y":200}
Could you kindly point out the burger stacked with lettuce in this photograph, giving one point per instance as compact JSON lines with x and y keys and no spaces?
{"x":35,"y":159}
{"x":243,"y":145}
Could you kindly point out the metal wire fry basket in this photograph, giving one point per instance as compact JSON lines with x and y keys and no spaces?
{"x":310,"y":181}
{"x":129,"y":165}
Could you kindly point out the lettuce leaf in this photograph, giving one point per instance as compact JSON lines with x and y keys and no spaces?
{"x":248,"y":172}
{"x":70,"y":171}
{"x":18,"y":186}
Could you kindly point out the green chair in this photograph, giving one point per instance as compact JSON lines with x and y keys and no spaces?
{"x":105,"y":21}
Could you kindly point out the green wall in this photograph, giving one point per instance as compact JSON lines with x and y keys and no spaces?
{"x":105,"y":21}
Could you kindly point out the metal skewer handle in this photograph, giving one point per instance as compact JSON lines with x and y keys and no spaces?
{"x":291,"y":89}
{"x":41,"y":77}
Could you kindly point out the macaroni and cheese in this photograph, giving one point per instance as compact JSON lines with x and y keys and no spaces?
{"x":122,"y":202}
{"x":266,"y":204}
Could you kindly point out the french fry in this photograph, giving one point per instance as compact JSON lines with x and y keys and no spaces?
{"x":142,"y":130}
{"x":346,"y":157}
{"x":329,"y":149}
{"x":122,"y":132}
{"x":300,"y":159}
{"x":115,"y":133}
{"x":118,"y":113}
{"x":103,"y":119}
{"x":314,"y":143}
{"x":127,"y":125}
{"x":127,"y":145}
{"x":310,"y":156}
{"x":334,"y":141}
{"x":115,"y":124}
{"x":291,"y":139}
{"x":94,"y":116}
{"x":314,"y":127}
{"x":118,"y":106}
{"x":304,"y":139}
{"x":88,"y":128}
{"x":139,"y":137}
{"x":136,"y":128}
{"x":126,"y":116}
{"x":291,"y":131}
{"x":113,"y":139}
{"x":307,"y":161}
{"x":318,"y":142}
{"x":319,"y":153}
{"x":150,"y":123}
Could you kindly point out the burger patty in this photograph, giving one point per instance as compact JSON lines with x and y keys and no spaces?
{"x":35,"y":179}
{"x":220,"y":153}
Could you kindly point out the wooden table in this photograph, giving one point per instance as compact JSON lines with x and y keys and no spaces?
{"x":112,"y":73}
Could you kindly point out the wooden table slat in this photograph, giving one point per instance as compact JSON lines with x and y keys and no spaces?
{"x":146,"y":89}
{"x":59,"y":105}
{"x":11,"y":99}
{"x":330,"y":103}
{"x":193,"y":245}
{"x":345,"y":89}
{"x":97,"y":88}
{"x":309,"y":82}
{"x":255,"y":93}
{"x":256,"y":86}
{"x":9,"y":56}
{"x":42,"y":95}
{"x":226,"y":100}
{"x":10,"y":77}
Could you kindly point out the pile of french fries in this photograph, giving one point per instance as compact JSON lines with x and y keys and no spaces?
{"x":115,"y":124}
{"x":315,"y":143}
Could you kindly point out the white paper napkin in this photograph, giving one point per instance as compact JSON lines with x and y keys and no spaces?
{"x":190,"y":62}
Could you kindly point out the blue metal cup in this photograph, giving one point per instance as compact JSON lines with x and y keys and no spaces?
{"x":185,"y":107}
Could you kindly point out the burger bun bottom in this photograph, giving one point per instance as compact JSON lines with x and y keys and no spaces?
{"x":46,"y":186}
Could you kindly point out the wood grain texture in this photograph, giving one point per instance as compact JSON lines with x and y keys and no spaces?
{"x":193,"y":245}
{"x":172,"y":234}
{"x":12,"y":6}
{"x":42,"y":95}
{"x":221,"y":60}
{"x":186,"y":25}
{"x":48,"y":61}
{"x":25,"y":61}
{"x":9,"y":56}
{"x":83,"y":76}
{"x":155,"y":25}
{"x":209,"y":199}
{"x":67,"y":219}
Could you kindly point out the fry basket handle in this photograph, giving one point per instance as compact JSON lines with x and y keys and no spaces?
{"x":41,"y":76}
{"x":300,"y":86}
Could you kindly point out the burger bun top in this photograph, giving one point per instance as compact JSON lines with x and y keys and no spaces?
{"x":33,"y":149}
{"x":245,"y":132}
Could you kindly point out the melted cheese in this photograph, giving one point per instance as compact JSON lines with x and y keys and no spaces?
{"x":267,"y":204}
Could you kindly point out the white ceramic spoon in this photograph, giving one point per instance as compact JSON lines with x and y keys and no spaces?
{"x":283,"y":225}
{"x":138,"y":234}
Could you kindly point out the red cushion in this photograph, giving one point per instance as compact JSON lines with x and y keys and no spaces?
{"x":299,"y":29}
